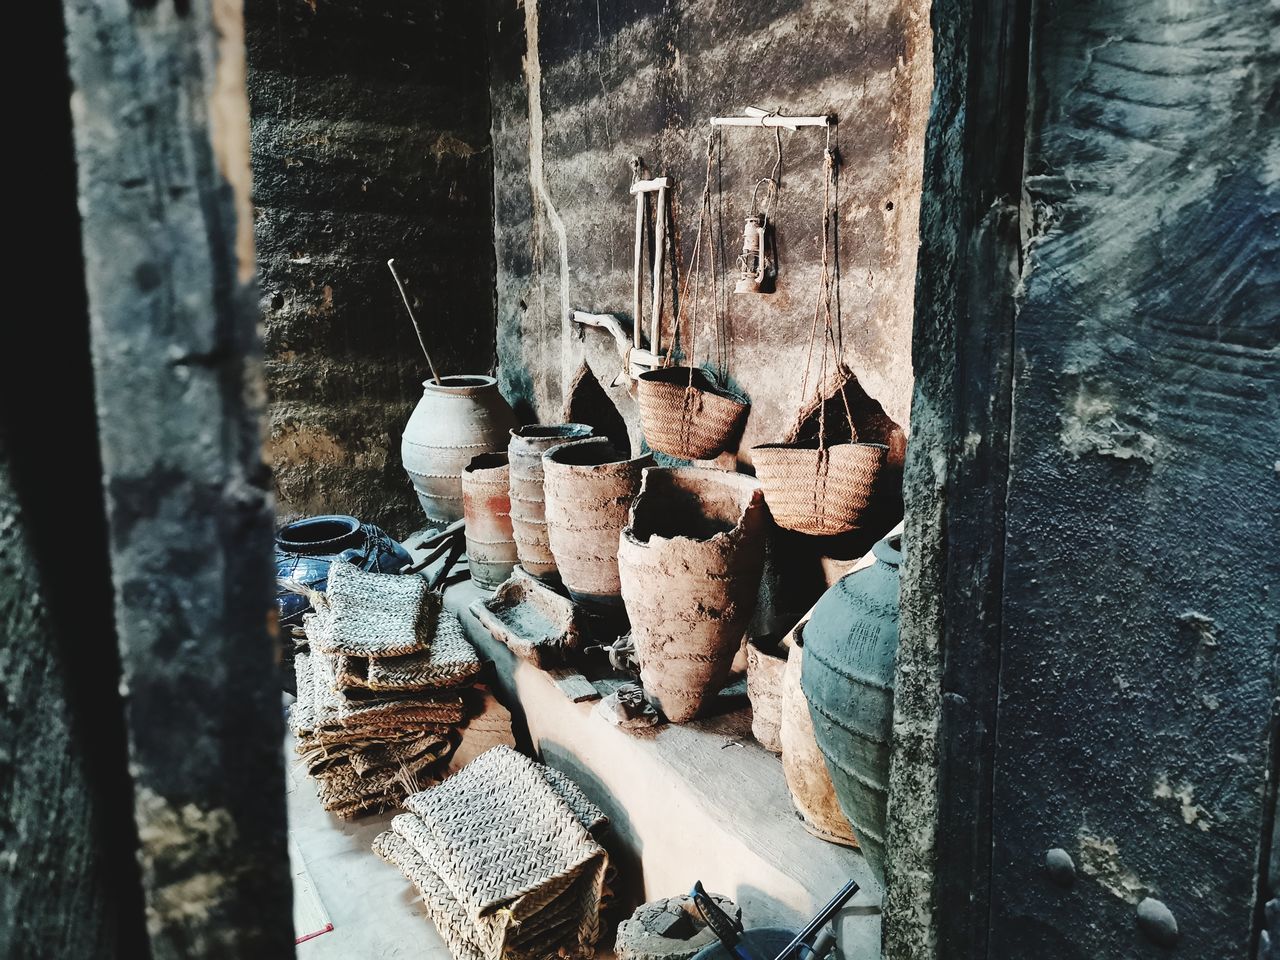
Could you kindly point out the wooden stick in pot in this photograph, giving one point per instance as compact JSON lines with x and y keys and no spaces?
{"x":391,"y":265}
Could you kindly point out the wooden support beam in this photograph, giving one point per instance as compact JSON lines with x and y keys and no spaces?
{"x":161,"y":129}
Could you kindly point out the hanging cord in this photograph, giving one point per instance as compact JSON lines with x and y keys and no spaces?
{"x":692,"y":276}
{"x":832,"y":338}
{"x":721,"y":290}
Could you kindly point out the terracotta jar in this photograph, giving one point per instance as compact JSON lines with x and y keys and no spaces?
{"x":454,"y":421}
{"x":690,"y":560}
{"x":851,"y":642}
{"x":528,"y":504}
{"x":589,"y":486}
{"x":766,"y":661}
{"x":486,"y":501}
{"x":812,"y":792}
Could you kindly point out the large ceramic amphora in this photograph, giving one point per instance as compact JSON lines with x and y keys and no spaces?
{"x":456,"y":419}
{"x":850,"y":644}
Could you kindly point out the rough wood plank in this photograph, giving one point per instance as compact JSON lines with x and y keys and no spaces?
{"x":161,"y":124}
{"x":573,"y":685}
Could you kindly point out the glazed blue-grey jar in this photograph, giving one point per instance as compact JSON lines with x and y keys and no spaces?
{"x":850,"y":644}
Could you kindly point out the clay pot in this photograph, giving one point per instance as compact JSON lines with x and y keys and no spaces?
{"x":766,"y":661}
{"x":589,"y":486}
{"x":851,"y":641}
{"x":528,"y":510}
{"x":812,"y":791}
{"x":690,"y":560}
{"x":454,"y":421}
{"x":486,"y":502}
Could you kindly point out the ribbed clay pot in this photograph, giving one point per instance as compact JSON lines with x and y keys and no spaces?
{"x":766,"y":661}
{"x":486,"y":501}
{"x":690,"y":560}
{"x":812,"y":791}
{"x":528,"y":505}
{"x":589,"y":486}
{"x":851,"y":641}
{"x":454,"y":421}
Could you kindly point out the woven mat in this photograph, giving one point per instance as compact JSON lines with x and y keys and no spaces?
{"x":320,"y":705}
{"x":451,"y":660}
{"x":511,"y":847}
{"x":376,"y":614}
{"x":368,"y":735}
{"x":446,"y":914}
{"x":343,"y":784}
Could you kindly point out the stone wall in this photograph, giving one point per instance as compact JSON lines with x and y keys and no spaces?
{"x":579,"y":89}
{"x":370,"y":141}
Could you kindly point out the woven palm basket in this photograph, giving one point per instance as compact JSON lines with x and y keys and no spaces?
{"x":376,"y":614}
{"x":694,"y":422}
{"x":821,"y":492}
{"x":504,"y":858}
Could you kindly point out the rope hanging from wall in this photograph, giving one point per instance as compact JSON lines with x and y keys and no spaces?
{"x":685,"y":410}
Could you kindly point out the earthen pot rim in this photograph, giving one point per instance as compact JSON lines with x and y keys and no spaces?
{"x":460,"y":385}
{"x":484,"y":462}
{"x":552,"y":431}
{"x":750,"y":486}
{"x":773,"y":646}
{"x":888,"y":550}
{"x":623,"y":457}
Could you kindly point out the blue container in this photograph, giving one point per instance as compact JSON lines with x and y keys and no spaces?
{"x":306,"y":548}
{"x":763,"y":942}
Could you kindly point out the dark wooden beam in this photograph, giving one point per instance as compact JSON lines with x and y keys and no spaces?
{"x":161,"y":124}
{"x":956,"y":477}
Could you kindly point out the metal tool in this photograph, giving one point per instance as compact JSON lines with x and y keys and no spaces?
{"x":806,"y":936}
{"x":727,"y":930}
{"x":811,"y":943}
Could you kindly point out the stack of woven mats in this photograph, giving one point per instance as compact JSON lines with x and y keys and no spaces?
{"x":504,"y":857}
{"x":383,"y":687}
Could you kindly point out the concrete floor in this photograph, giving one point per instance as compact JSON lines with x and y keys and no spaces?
{"x":375,"y":912}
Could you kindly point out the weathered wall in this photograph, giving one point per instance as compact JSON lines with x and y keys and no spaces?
{"x":579,"y":88}
{"x":370,"y":141}
{"x":1094,"y":668}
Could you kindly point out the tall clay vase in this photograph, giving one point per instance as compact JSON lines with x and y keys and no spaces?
{"x":589,"y":486}
{"x":528,"y":505}
{"x":486,"y":501}
{"x":851,"y":641}
{"x":812,"y":792}
{"x":690,"y":560}
{"x":454,"y":421}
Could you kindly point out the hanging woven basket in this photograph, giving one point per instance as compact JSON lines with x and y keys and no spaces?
{"x":689,"y":416}
{"x":821,"y":491}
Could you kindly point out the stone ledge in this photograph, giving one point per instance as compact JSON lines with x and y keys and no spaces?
{"x":697,"y":801}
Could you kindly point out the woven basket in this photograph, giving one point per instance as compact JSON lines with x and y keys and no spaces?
{"x":821,"y":492}
{"x":693,"y":422}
